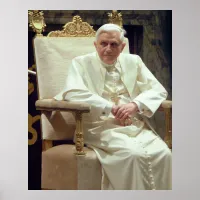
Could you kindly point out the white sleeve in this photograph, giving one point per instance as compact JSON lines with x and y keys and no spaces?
{"x":152,"y":93}
{"x":76,"y":90}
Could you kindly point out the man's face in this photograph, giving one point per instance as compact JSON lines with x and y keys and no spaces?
{"x":109,"y":46}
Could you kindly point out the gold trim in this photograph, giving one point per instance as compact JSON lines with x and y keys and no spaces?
{"x":168,"y":127}
{"x":31,"y":130}
{"x":79,"y":134}
{"x":30,"y":87}
{"x":115,"y":18}
{"x":47,"y":144}
{"x":37,"y":21}
{"x":76,"y":28}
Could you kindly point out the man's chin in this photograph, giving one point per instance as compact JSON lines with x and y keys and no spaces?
{"x":109,"y":62}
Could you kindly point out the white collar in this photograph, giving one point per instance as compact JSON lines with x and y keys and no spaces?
{"x":104,"y":64}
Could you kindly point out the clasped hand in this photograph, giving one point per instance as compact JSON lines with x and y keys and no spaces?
{"x":123,"y":113}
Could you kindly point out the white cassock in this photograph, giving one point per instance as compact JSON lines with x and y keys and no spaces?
{"x":132,"y":157}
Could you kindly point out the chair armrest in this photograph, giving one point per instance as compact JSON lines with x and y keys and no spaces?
{"x":52,"y":105}
{"x":166,"y":104}
{"x":76,"y":107}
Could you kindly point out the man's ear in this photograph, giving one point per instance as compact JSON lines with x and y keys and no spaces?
{"x":95,"y":44}
{"x":123,"y":45}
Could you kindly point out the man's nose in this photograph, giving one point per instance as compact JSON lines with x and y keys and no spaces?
{"x":108,"y":48}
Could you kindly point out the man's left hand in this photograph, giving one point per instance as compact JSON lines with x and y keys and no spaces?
{"x":125,"y":111}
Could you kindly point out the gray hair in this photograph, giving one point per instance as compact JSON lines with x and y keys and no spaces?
{"x":109,"y":28}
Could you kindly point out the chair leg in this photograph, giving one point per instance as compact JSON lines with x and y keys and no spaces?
{"x":168,"y":127}
{"x":47,"y":144}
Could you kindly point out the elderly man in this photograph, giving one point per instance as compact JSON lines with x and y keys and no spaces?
{"x":122,"y":93}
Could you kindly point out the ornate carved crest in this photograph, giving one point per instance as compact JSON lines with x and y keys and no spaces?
{"x":115,"y":18}
{"x":76,"y":28}
{"x":37,"y":21}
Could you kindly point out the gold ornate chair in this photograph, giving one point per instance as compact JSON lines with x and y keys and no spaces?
{"x":65,"y":166}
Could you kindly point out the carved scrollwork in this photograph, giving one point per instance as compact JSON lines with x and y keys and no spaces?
{"x":37,"y":21}
{"x":115,"y":18}
{"x":76,"y":28}
{"x":31,"y":130}
{"x":79,"y":134}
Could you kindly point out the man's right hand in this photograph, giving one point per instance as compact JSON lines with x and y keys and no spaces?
{"x":114,"y":109}
{"x":123,"y":122}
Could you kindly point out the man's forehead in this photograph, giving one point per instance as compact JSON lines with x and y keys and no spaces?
{"x":114,"y":35}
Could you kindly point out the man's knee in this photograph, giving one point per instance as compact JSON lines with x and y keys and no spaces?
{"x":134,"y":153}
{"x":168,"y":152}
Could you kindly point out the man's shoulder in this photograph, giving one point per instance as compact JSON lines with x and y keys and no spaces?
{"x":85,"y":57}
{"x":128,"y":56}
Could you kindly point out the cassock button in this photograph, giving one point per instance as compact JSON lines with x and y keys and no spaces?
{"x":103,"y":113}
